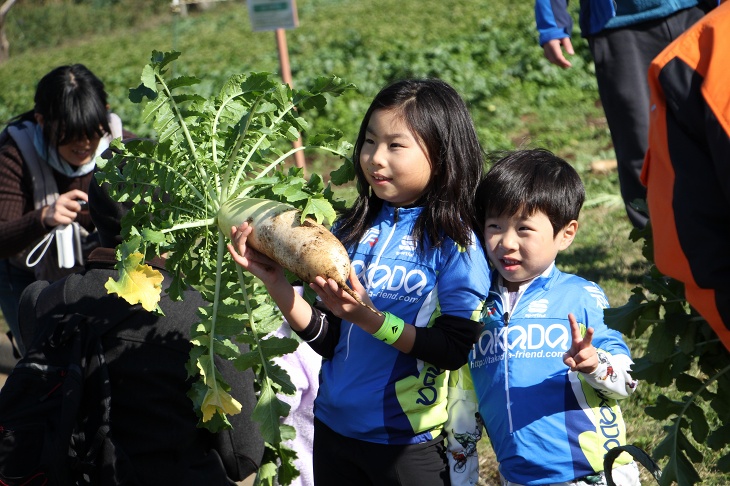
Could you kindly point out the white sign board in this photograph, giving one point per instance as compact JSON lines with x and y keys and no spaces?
{"x":272,"y":14}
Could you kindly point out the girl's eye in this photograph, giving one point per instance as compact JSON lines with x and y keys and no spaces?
{"x":395,"y":145}
{"x":369,"y":141}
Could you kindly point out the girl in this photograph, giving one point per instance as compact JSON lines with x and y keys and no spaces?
{"x":381,"y":405}
{"x":46,"y":162}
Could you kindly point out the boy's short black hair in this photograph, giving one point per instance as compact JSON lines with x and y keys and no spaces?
{"x":526,"y":181}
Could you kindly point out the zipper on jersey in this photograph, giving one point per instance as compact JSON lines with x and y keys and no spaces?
{"x":505,"y":348}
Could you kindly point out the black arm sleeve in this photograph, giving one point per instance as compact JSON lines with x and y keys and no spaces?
{"x":447,"y":343}
{"x":322,"y":332}
{"x":458,"y":334}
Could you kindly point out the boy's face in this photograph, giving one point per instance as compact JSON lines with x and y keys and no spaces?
{"x":521,"y":248}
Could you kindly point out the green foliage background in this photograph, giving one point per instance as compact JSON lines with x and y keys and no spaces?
{"x":486,"y":48}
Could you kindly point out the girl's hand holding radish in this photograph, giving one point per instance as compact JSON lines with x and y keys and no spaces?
{"x":295,"y":309}
{"x":344,"y":306}
{"x":261,"y":266}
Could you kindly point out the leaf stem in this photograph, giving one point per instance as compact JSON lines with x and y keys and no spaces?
{"x":261,"y":139}
{"x":689,"y":402}
{"x":227,"y":189}
{"x":278,"y":161}
{"x":191,"y":224}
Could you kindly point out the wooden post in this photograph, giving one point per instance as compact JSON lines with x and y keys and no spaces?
{"x":286,"y":76}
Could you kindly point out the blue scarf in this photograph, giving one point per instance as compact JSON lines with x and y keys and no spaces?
{"x":50,"y":155}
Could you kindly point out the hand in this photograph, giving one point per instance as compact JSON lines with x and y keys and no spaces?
{"x":64,"y":209}
{"x":251,"y":260}
{"x":344,"y":306}
{"x":581,"y":356}
{"x":553,"y":50}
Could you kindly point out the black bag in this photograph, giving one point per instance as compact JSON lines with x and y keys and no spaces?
{"x":55,"y":404}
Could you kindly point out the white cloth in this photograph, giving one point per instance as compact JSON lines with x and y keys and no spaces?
{"x":303,"y":368}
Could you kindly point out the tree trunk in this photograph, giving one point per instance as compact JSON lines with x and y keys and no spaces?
{"x":4,"y":43}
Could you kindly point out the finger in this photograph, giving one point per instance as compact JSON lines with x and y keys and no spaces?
{"x":569,"y":361}
{"x":324,"y":295}
{"x":588,"y":338}
{"x":355,"y":282}
{"x":62,"y":214}
{"x":574,"y":329}
{"x":550,"y":49}
{"x":335,"y":287}
{"x":234,"y":254}
{"x":562,"y":61}
{"x":568,"y":46}
{"x":243,"y":230}
{"x":319,"y":282}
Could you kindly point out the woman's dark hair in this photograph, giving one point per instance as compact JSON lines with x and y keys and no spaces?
{"x":440,"y":121}
{"x":73,"y":103}
{"x":524,"y":182}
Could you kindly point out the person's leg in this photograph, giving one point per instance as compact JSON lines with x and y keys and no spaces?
{"x":340,"y":460}
{"x":423,"y":464}
{"x":335,"y":458}
{"x":12,"y":283}
{"x":622,"y":58}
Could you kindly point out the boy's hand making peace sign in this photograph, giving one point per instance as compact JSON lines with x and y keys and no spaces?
{"x":581,"y":356}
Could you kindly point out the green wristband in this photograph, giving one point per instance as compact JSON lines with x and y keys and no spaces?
{"x":391,"y":329}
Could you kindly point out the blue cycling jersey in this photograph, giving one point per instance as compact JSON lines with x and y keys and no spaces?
{"x":370,"y":390}
{"x":545,"y":422}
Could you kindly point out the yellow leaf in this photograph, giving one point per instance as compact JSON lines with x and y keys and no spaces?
{"x":138,"y":283}
{"x":218,"y":400}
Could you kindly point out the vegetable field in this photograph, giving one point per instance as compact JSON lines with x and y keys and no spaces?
{"x":487,"y":49}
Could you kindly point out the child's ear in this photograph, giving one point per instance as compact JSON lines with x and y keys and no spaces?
{"x":567,"y":234}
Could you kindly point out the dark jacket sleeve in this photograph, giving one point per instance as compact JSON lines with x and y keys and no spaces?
{"x":27,"y":321}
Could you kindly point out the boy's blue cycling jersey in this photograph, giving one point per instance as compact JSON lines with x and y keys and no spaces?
{"x":546,"y":424}
{"x":370,"y":390}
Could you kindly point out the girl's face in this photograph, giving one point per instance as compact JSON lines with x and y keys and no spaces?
{"x":79,"y":152}
{"x":395,"y":165}
{"x":522,"y":248}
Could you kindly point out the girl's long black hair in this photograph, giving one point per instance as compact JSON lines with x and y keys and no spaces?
{"x":73,"y":103}
{"x":441,"y":122}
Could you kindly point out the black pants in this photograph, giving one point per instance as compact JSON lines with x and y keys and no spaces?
{"x":622,"y":57}
{"x":340,"y":461}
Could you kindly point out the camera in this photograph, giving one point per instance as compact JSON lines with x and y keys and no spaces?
{"x":68,"y":245}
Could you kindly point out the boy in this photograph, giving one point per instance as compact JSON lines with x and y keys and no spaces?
{"x":546,"y":369}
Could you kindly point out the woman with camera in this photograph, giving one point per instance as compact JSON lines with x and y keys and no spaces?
{"x":46,"y":163}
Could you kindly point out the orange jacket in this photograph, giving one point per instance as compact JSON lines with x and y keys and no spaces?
{"x":687,"y":166}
